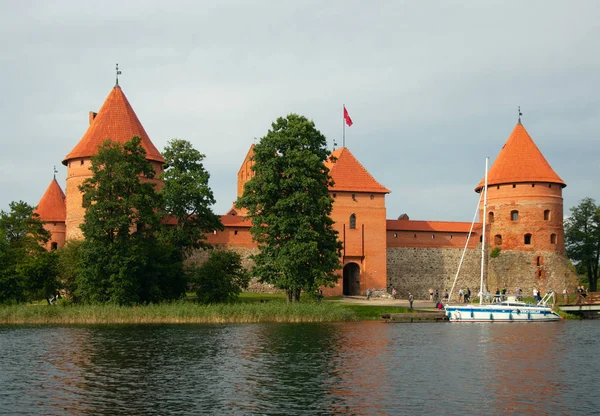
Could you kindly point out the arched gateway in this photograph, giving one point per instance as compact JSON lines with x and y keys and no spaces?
{"x":351,"y":279}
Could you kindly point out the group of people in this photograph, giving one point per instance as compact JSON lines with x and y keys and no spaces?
{"x":464,"y":296}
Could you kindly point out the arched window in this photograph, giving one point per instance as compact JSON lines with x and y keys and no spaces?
{"x":352,"y":221}
{"x":491,"y":217}
{"x":497,"y":240}
{"x":547,"y":215}
{"x":514,"y":215}
{"x":553,"y":238}
{"x":54,"y":246}
{"x":527,"y":239}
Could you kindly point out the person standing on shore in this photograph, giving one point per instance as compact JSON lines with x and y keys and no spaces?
{"x":411,"y":298}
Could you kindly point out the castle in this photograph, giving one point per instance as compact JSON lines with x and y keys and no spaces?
{"x":524,"y":218}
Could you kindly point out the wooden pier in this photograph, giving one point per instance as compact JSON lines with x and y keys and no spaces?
{"x":587,"y":306}
{"x":410,"y":317}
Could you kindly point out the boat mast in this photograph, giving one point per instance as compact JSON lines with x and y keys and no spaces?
{"x":483,"y":214}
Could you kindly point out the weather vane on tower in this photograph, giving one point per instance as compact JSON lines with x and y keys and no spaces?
{"x":520,"y":114}
{"x":118,"y":73}
{"x":55,"y":171}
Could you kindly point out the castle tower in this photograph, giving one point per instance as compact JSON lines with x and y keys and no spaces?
{"x":117,"y":121}
{"x":360,"y":219}
{"x":52,"y":211}
{"x":525,"y":204}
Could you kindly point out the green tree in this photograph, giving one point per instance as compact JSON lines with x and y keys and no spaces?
{"x":22,"y":272}
{"x":582,"y":239}
{"x":187,"y":198}
{"x":289,"y":205}
{"x":121,"y":251}
{"x":221,"y":278}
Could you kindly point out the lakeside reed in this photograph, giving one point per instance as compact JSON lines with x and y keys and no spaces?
{"x":177,"y":313}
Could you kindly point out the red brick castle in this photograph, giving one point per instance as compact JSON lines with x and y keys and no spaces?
{"x":525,"y":217}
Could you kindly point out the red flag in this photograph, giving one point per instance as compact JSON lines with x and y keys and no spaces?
{"x":347,"y":117}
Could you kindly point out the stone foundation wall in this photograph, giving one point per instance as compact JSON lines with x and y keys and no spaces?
{"x":416,"y":270}
{"x":200,"y":256}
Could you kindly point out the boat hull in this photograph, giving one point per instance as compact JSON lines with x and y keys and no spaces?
{"x":500,"y":313}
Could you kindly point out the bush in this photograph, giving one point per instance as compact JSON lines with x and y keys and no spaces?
{"x":221,"y":279}
{"x":495,"y":252}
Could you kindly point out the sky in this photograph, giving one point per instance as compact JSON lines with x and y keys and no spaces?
{"x":432,"y":87}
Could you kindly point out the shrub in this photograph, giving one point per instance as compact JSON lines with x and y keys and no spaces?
{"x":221,"y":279}
{"x":495,"y":252}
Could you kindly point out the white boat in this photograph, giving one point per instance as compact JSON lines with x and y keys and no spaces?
{"x":510,"y":310}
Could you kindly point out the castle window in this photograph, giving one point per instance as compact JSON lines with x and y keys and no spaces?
{"x":491,"y":217}
{"x":414,"y":236}
{"x":215,"y":232}
{"x":497,"y":240}
{"x":354,"y":197}
{"x":450,"y":236}
{"x":395,"y":235}
{"x":372,"y":196}
{"x":81,"y":162}
{"x":549,"y":185}
{"x":533,"y":185}
{"x":514,"y":185}
{"x":546,"y":215}
{"x":527,"y":239}
{"x":235,"y":232}
{"x":498,"y":187}
{"x":352,"y":221}
{"x":480,"y":238}
{"x":432,"y":236}
{"x":552,"y":238}
{"x":539,"y":260}
{"x":514,"y":215}
{"x":334,"y":195}
{"x":54,"y":246}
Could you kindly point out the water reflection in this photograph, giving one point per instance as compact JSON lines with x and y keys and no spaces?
{"x":354,"y":368}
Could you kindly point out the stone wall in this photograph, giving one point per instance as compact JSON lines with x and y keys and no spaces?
{"x":418,"y":269}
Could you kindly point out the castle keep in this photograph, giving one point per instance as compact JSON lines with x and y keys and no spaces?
{"x":524,"y":218}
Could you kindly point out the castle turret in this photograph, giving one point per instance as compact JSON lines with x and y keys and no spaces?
{"x":117,"y":121}
{"x":525,"y":204}
{"x":52,"y":211}
{"x":360,"y":219}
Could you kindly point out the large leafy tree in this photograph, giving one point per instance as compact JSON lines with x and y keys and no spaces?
{"x":187,"y":198}
{"x":289,"y":205}
{"x":26,"y":269}
{"x":582,"y":239}
{"x":121,"y":254}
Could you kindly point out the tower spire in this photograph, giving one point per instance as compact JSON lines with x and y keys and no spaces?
{"x":520,"y":114}
{"x":118,"y":73}
{"x":55,"y":171}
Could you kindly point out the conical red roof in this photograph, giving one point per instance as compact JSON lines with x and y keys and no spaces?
{"x":349,"y":175}
{"x":520,"y":161}
{"x":52,"y":207}
{"x":117,"y":121}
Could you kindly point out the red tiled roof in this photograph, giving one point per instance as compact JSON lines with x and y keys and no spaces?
{"x":52,"y":206}
{"x":349,"y":175}
{"x":440,"y":226}
{"x":235,"y":221}
{"x":519,"y":161}
{"x":117,"y":121}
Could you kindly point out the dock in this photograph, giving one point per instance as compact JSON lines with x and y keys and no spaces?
{"x":585,"y":306}
{"x":412,"y":317}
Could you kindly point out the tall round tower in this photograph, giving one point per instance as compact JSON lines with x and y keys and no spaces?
{"x":525,"y":204}
{"x":117,"y":121}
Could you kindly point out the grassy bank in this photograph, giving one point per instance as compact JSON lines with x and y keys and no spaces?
{"x":189,"y":312}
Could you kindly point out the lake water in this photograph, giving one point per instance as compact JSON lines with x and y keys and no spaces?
{"x":367,"y":368}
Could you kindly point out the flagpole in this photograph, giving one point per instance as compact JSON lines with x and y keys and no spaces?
{"x":343,"y":126}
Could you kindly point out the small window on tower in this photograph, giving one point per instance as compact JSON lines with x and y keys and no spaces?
{"x":54,"y":246}
{"x":81,"y":162}
{"x":395,"y":235}
{"x":352,"y":221}
{"x":547,"y":215}
{"x":527,"y":239}
{"x":514,"y":215}
{"x":552,"y":238}
{"x":491,"y":217}
{"x":498,"y":240}
{"x":235,"y":232}
{"x":514,"y":185}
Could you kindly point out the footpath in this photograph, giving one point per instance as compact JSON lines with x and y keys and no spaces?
{"x":362,"y":300}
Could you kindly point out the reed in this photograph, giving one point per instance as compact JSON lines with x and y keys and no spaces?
{"x":177,"y":312}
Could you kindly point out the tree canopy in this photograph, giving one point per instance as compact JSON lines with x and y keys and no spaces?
{"x":27,"y":270}
{"x":187,"y":197}
{"x":289,"y":205}
{"x":582,"y":239}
